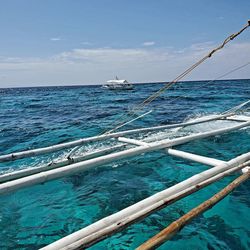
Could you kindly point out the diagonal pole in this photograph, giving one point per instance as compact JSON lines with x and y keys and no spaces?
{"x":177,"y":225}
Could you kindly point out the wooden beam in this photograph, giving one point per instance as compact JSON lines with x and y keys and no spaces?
{"x":177,"y":225}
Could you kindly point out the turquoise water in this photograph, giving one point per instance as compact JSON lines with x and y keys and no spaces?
{"x":36,"y":117}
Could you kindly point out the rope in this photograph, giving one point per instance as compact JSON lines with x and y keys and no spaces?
{"x":216,"y":79}
{"x":178,"y":78}
{"x":197,"y":88}
{"x":138,"y":117}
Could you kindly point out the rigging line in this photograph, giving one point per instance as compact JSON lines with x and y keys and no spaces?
{"x":154,"y":96}
{"x":227,"y":40}
{"x":123,"y":119}
{"x":231,"y":71}
{"x":217,"y":78}
{"x":138,"y":117}
{"x":209,"y":82}
{"x":168,"y":85}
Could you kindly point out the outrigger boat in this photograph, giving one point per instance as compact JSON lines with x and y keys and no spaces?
{"x":120,"y":146}
{"x":128,"y":143}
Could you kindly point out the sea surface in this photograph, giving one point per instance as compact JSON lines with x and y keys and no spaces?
{"x":37,"y":117}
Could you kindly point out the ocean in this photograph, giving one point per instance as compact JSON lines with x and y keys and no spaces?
{"x":41,"y":116}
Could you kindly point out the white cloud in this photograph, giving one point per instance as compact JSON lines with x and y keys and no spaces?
{"x":55,"y":39}
{"x":202,"y":46}
{"x":86,"y":66}
{"x":151,"y":43}
{"x":86,"y":43}
{"x":113,"y":56}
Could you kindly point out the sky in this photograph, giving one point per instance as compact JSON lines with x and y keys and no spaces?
{"x":77,"y":42}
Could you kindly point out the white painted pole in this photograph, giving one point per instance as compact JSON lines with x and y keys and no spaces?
{"x":194,"y":157}
{"x":30,"y":171}
{"x":81,"y":166}
{"x":119,"y":225}
{"x":238,"y":118}
{"x":57,"y":147}
{"x":245,"y":170}
{"x":177,"y":225}
{"x":133,"y":141}
{"x":236,"y":108}
{"x":188,"y":156}
{"x":146,"y":206}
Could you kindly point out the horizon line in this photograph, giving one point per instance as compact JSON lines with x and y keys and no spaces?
{"x":136,"y":83}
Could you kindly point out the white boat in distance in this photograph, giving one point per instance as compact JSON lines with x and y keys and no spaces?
{"x":118,"y":84}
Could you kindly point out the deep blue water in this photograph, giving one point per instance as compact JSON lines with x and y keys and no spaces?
{"x":36,"y":117}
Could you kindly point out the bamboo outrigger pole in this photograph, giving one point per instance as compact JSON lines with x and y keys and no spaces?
{"x":115,"y":222}
{"x":57,"y":147}
{"x":177,"y":225}
{"x":57,"y":164}
{"x":89,"y":241}
{"x":96,"y":237}
{"x":81,"y":166}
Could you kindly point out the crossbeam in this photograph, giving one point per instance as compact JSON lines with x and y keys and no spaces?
{"x":194,"y":157}
{"x":81,"y":166}
{"x":58,"y":147}
{"x":177,"y":153}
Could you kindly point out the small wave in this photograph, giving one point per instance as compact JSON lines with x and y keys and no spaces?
{"x":34,"y":106}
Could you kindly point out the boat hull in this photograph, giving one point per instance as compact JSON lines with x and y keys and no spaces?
{"x":119,"y":87}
